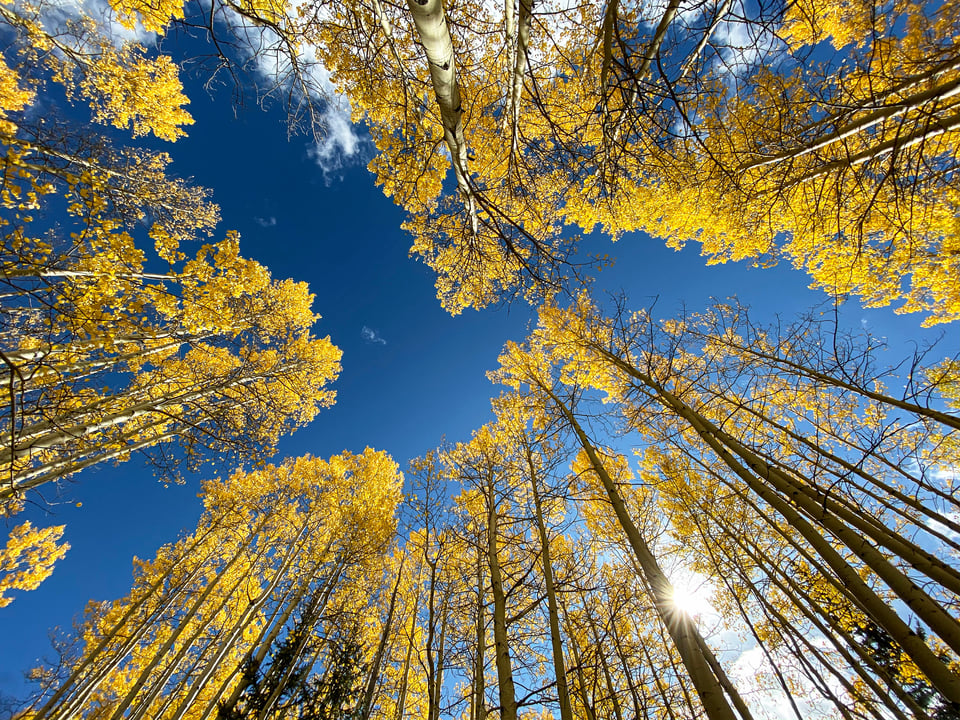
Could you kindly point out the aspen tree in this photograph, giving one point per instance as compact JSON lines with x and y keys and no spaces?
{"x":207,"y":347}
{"x":431,"y":541}
{"x":374,"y":678}
{"x":704,"y":122}
{"x":534,"y":469}
{"x":420,"y":78}
{"x":238,"y":388}
{"x":396,"y":684}
{"x":208,"y":629}
{"x":530,"y":368}
{"x":28,"y":558}
{"x":683,"y":397}
{"x":476,"y":465}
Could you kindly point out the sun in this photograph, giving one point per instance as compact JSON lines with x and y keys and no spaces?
{"x":691,"y":595}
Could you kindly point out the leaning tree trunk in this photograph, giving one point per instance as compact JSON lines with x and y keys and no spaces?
{"x":508,"y":701}
{"x":680,"y":626}
{"x":556,"y":641}
{"x":431,"y":24}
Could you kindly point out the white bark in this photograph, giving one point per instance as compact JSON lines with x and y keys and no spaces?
{"x":518,"y":38}
{"x":167,"y":410}
{"x":61,"y":468}
{"x":876,"y":115}
{"x":931,"y":128}
{"x":774,"y":487}
{"x":505,"y":684}
{"x":431,"y":24}
{"x":679,"y":625}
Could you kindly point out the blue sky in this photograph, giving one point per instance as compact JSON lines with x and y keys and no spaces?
{"x":411,"y":373}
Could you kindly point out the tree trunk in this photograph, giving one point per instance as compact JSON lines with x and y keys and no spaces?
{"x":678,"y":624}
{"x":431,"y":24}
{"x":508,"y":702}
{"x":374,"y":670}
{"x":556,"y":640}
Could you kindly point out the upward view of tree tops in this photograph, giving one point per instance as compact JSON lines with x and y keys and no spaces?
{"x":544,"y":568}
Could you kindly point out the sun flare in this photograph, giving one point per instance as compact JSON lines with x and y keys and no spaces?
{"x":691,"y":595}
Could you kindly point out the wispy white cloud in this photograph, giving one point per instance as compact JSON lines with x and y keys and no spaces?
{"x":943,"y":529}
{"x":266,"y":222}
{"x":652,"y":11}
{"x":756,"y":681}
{"x":57,"y":14}
{"x":371,"y":336}
{"x":743,"y":42}
{"x":949,"y":474}
{"x":341,"y":143}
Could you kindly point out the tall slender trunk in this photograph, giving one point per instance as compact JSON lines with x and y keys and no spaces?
{"x":930,"y":129}
{"x":374,"y":670}
{"x":656,"y":670}
{"x":436,"y":653}
{"x":75,"y":463}
{"x":556,"y":641}
{"x":508,"y":701}
{"x":405,"y":674}
{"x":519,"y":45}
{"x":679,"y":625}
{"x":49,"y":433}
{"x":408,"y":656}
{"x":718,"y":18}
{"x":431,"y":24}
{"x":604,"y":667}
{"x":900,"y":106}
{"x":277,"y":619}
{"x":843,"y":643}
{"x":588,"y":710}
{"x":267,"y":638}
{"x":479,"y":699}
{"x":433,"y":671}
{"x":774,"y":486}
{"x":897,"y":503}
{"x":624,"y":662}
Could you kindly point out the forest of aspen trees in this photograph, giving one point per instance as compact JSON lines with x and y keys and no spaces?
{"x":525,"y":572}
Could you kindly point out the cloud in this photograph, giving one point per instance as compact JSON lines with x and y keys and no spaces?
{"x":652,"y":11}
{"x":266,"y":222}
{"x":943,"y":529}
{"x":57,"y":15}
{"x":756,"y":680}
{"x":340,"y":144}
{"x":371,"y":336}
{"x":743,"y":42}
{"x":950,"y":473}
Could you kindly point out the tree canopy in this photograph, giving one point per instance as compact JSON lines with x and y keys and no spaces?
{"x":541,"y":567}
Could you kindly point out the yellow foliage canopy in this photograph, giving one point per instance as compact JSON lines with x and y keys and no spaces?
{"x":28,"y":558}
